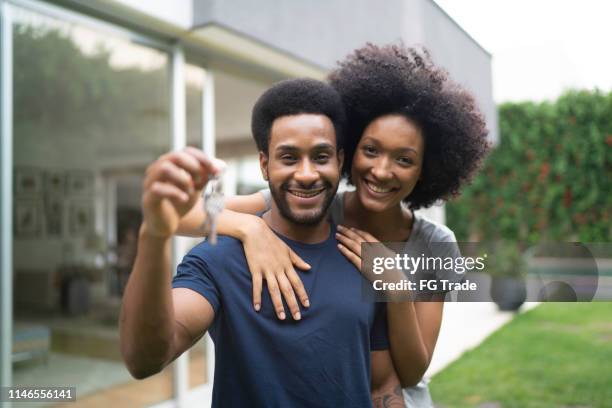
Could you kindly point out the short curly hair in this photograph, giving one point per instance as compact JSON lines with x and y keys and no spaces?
{"x":293,"y":97}
{"x":377,"y":80}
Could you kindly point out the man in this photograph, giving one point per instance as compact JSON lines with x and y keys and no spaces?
{"x":322,"y":358}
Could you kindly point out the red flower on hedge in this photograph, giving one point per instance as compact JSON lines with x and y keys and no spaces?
{"x":544,"y":170}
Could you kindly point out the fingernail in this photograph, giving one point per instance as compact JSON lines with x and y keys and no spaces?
{"x":297,"y":316}
{"x":340,"y":227}
{"x":257,"y":307}
{"x":282,"y":315}
{"x":307,"y":303}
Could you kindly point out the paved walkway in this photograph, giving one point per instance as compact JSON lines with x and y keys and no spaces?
{"x":465,"y":326}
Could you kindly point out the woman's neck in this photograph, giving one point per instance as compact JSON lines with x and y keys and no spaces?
{"x":393,"y":224}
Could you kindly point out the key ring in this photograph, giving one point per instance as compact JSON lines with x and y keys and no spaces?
{"x":213,"y":205}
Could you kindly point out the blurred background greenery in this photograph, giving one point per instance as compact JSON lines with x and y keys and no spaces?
{"x":549,"y":179}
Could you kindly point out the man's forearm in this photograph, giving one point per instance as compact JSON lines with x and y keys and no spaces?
{"x":147,"y":315}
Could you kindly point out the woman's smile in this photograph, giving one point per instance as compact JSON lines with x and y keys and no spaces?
{"x":377,"y":188}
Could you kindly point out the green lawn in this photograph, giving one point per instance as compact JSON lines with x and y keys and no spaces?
{"x":556,"y":355}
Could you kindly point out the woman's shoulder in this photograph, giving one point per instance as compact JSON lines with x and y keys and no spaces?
{"x":431,"y":231}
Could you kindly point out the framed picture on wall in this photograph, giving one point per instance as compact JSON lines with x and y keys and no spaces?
{"x":80,"y":183}
{"x":55,"y":182}
{"x":27,"y":220}
{"x":28,"y":181}
{"x":54,"y":215}
{"x":81,"y":217}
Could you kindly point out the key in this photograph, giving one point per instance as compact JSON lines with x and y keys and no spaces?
{"x":213,"y":205}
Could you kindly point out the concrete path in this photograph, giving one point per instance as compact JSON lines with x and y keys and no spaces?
{"x":465,"y":326}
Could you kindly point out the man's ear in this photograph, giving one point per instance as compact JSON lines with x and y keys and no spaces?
{"x":263,"y":164}
{"x":340,"y":158}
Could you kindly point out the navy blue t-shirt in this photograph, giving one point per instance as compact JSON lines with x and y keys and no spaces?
{"x":261,"y":361}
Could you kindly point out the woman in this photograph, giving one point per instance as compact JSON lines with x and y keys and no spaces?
{"x":415,"y":137}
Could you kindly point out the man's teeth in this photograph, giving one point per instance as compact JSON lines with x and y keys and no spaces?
{"x":378,"y":189}
{"x":305,"y":194}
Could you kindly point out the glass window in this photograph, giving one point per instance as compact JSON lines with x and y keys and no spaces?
{"x":194,"y":87}
{"x":91,"y":111}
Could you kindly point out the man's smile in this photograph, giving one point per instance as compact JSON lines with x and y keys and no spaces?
{"x":305,"y":193}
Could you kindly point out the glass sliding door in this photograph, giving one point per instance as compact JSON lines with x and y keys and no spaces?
{"x":91,"y":111}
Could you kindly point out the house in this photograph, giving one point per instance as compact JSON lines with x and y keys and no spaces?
{"x":94,"y":90}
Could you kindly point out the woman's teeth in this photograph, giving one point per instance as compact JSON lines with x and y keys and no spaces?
{"x":378,"y":189}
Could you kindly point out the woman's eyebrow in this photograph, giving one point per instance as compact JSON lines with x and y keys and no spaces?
{"x":367,"y":139}
{"x":406,"y":150}
{"x":375,"y":142}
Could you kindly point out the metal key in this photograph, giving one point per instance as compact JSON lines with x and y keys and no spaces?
{"x":213,"y":205}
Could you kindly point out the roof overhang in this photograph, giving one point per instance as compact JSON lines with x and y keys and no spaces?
{"x":237,"y":46}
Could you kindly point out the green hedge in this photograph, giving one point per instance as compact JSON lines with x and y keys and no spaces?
{"x":550,"y":178}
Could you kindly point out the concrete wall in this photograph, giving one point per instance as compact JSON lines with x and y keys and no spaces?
{"x":323,"y":32}
{"x":320,"y":31}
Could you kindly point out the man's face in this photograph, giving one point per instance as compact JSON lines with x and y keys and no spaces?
{"x":302,"y":166}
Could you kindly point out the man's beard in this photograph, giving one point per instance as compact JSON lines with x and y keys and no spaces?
{"x":311,"y":217}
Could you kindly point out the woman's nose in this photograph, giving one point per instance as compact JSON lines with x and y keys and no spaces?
{"x":382,"y":170}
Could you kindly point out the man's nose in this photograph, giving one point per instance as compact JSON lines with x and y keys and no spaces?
{"x":382,"y":169}
{"x":306,"y":173}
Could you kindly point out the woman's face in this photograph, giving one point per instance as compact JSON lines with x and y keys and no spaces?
{"x":387,"y":163}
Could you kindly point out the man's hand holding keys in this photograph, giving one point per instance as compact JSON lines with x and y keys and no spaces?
{"x":172,"y":186}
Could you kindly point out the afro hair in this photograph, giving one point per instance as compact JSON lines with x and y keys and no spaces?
{"x":293,"y":97}
{"x":374,"y":81}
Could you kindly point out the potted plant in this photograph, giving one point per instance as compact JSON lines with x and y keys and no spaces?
{"x":507,"y":268}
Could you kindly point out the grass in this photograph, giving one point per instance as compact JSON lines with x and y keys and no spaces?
{"x":556,"y":355}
